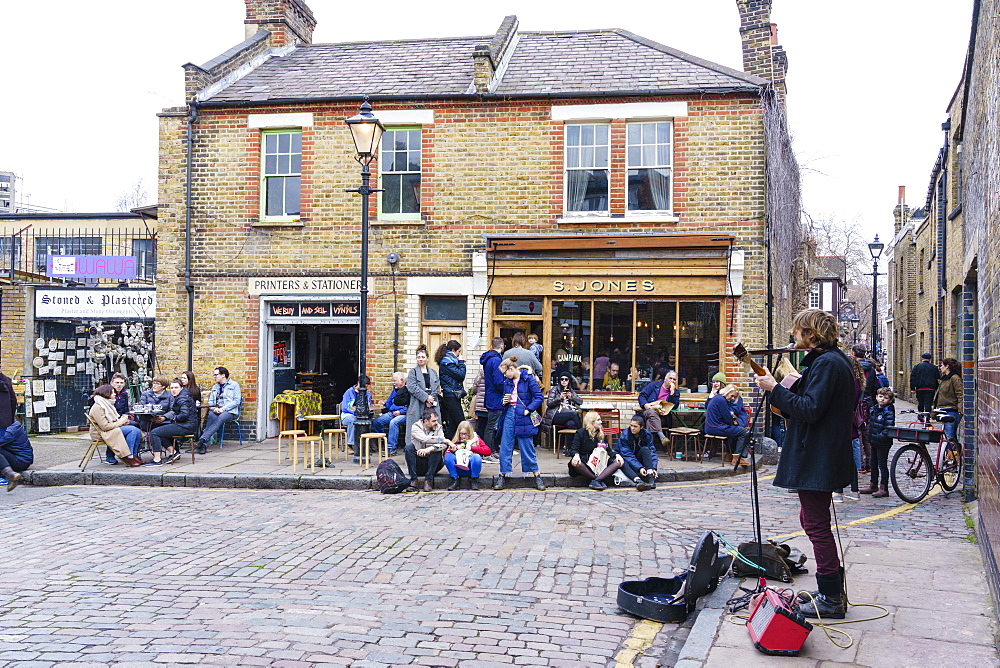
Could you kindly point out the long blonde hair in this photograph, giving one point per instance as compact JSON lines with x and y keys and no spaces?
{"x":466,"y":425}
{"x":588,"y":423}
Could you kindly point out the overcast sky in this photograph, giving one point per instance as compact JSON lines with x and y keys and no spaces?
{"x":869,"y":81}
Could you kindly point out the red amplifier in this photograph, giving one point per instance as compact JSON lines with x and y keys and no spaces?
{"x":775,"y":627}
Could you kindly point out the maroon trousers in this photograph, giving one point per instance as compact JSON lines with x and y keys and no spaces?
{"x":814,"y":516}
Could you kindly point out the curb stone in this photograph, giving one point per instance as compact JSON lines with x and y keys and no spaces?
{"x":697,"y":645}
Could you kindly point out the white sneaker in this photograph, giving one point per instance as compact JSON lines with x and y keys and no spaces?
{"x":853,"y":496}
{"x":838,"y":497}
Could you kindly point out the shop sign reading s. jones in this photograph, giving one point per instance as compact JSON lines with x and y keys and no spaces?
{"x":599,"y":286}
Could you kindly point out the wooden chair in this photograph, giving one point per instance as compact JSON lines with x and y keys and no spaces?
{"x":191,"y":441}
{"x":556,"y":435}
{"x":364,"y":447}
{"x":91,"y":449}
{"x":291,"y":434}
{"x":685,"y":434}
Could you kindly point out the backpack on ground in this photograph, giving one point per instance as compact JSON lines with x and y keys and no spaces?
{"x":390,"y":479}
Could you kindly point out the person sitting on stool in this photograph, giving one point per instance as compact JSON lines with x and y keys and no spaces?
{"x":721,"y":419}
{"x":225,"y":400}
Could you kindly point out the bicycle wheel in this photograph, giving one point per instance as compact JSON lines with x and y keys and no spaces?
{"x":951,"y":465}
{"x":911,"y":473}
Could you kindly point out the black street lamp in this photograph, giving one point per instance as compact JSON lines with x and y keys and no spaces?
{"x":875,"y":248}
{"x":366,"y":130}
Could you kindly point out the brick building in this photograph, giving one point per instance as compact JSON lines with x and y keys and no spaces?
{"x":61,"y":276}
{"x":978,"y":176}
{"x":601,"y":190}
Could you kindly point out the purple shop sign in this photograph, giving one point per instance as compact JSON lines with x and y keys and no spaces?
{"x":119,"y":267}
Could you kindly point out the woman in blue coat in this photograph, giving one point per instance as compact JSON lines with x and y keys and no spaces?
{"x":522,"y":396}
{"x":638,"y":455}
{"x":451,"y":369}
{"x":721,"y":419}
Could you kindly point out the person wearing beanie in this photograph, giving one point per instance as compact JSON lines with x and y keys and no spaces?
{"x":718,"y":382}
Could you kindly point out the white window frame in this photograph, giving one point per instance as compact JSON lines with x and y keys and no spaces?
{"x":814,"y":296}
{"x":417,"y":215}
{"x":604,"y":213}
{"x":670,"y":167}
{"x":264,"y":217}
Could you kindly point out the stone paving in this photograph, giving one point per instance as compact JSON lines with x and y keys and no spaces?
{"x":171,"y":576}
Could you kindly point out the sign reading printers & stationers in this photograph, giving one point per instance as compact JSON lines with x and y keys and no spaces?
{"x":88,"y":304}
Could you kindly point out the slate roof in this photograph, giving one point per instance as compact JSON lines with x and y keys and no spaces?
{"x":542,"y":64}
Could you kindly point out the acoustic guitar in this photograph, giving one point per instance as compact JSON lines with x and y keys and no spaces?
{"x":743,"y":356}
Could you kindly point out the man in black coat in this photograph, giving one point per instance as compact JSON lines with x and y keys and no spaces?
{"x":816,"y":456}
{"x":924,"y":381}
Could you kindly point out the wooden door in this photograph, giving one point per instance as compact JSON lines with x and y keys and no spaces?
{"x":435,"y":335}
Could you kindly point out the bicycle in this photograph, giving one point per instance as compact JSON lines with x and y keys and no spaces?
{"x":912,"y":471}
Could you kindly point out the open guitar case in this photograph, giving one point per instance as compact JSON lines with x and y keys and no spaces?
{"x":673,"y":599}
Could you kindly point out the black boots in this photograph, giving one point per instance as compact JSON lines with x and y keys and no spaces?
{"x":499,"y":482}
{"x":830,"y":601}
{"x":12,"y":476}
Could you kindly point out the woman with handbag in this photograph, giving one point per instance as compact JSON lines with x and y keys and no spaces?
{"x":424,"y":386}
{"x":451,"y":367}
{"x":562,"y":405}
{"x":519,"y":422}
{"x":464,"y":458}
{"x":592,"y":454}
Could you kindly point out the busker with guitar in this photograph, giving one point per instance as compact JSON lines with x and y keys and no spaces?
{"x":816,"y":456}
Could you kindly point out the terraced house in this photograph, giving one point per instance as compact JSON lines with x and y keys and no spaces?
{"x":610,"y":194}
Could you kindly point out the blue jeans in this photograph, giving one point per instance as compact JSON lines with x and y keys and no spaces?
{"x":388,"y":423}
{"x":525,"y":444}
{"x":133,"y":435}
{"x":951,"y":428}
{"x":213,"y":423}
{"x":475,"y":466}
{"x":347,"y":419}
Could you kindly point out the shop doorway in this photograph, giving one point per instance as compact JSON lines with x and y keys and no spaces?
{"x":506,"y":329}
{"x":321,"y":358}
{"x":435,"y":336}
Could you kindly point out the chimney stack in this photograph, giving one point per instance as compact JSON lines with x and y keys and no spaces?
{"x":901,"y":213}
{"x":288,"y":21}
{"x":762,"y":55}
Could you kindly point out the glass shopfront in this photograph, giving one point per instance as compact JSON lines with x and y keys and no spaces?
{"x":641,"y":340}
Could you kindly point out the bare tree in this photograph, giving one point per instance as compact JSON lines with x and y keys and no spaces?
{"x":135,"y":196}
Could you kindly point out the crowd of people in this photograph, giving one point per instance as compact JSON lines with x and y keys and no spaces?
{"x":170,"y":409}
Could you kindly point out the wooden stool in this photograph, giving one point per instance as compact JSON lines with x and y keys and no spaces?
{"x":311,"y":441}
{"x":557,"y":440}
{"x":364,"y":447}
{"x":710,"y":442}
{"x":334,"y":438}
{"x":685,"y":433}
{"x":90,"y":453}
{"x":292,"y":434}
{"x":190,"y":438}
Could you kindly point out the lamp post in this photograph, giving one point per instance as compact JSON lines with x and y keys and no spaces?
{"x":366,"y":130}
{"x":875,"y":248}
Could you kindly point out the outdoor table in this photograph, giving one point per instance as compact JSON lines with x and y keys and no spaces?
{"x":321,"y":419}
{"x":302,"y":402}
{"x":693,"y":418}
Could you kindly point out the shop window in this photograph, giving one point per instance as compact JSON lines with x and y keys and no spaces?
{"x":570,"y":345}
{"x":507,"y":307}
{"x":648,"y":160}
{"x":451,"y":309}
{"x":145,"y":260}
{"x":698,"y":341}
{"x":646,"y":339}
{"x":612,"y":345}
{"x":281,"y":173}
{"x":588,"y":151}
{"x":400,"y":165}
{"x":655,"y":341}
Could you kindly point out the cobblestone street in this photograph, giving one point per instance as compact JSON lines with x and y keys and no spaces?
{"x":107,"y":575}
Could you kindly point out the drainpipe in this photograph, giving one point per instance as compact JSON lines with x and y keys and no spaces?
{"x":188,"y":286}
{"x":942,"y":239}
